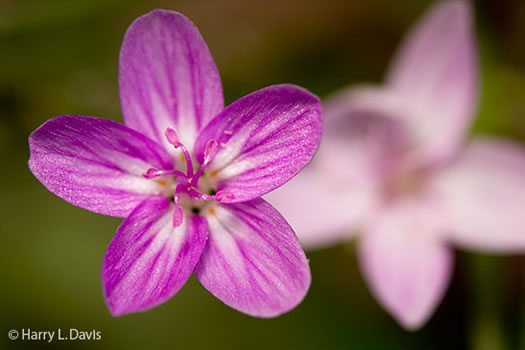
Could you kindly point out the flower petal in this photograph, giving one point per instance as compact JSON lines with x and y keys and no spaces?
{"x":320,"y":212}
{"x":253,"y":261}
{"x":360,"y":101}
{"x":436,"y":73}
{"x":265,"y":138}
{"x":365,"y":123}
{"x":405,"y":263}
{"x":484,"y":195}
{"x":149,"y":260}
{"x":95,"y":164}
{"x":167,"y":77}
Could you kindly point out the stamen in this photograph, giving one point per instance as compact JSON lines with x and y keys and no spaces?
{"x":209,"y":153}
{"x":225,"y":196}
{"x":178,"y":215}
{"x":173,"y":138}
{"x":152,"y":173}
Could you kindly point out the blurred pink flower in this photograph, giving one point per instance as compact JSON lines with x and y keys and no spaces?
{"x":392,"y":167}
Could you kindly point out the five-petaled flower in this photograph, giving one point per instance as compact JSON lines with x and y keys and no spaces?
{"x":187,"y":174}
{"x":392,"y":168}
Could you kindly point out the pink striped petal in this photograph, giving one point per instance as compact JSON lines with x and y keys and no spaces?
{"x":320,"y":212}
{"x":253,"y":261}
{"x":167,"y":77}
{"x":149,"y":260}
{"x":360,"y":101}
{"x":436,"y":73}
{"x":405,"y":263}
{"x":264,"y":138}
{"x":364,"y":129}
{"x":484,"y":195}
{"x":95,"y":164}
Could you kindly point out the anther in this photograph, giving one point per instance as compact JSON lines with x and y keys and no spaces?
{"x":172,"y":137}
{"x":152,"y":173}
{"x":210,"y":151}
{"x":225,"y":196}
{"x":178,"y":215}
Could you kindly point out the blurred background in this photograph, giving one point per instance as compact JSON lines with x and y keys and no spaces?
{"x":61,"y":57}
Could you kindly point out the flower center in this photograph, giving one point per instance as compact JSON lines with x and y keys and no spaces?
{"x":187,"y":183}
{"x":405,"y":183}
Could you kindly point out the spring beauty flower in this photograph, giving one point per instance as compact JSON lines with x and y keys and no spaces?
{"x":393,"y":168}
{"x":187,"y":174}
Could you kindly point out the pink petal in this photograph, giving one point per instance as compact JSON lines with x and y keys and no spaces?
{"x":167,"y":77}
{"x":321,"y":213}
{"x":149,"y":260}
{"x":264,"y":138}
{"x":436,"y":73}
{"x":360,"y":101}
{"x":405,"y":263}
{"x":253,"y":261}
{"x":95,"y":164}
{"x":484,"y":194}
{"x":365,"y":125}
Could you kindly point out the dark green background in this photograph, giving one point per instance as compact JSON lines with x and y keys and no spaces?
{"x":60,"y":57}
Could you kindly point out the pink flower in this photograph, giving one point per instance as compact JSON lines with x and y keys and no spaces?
{"x":394,"y":169}
{"x":187,"y":174}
